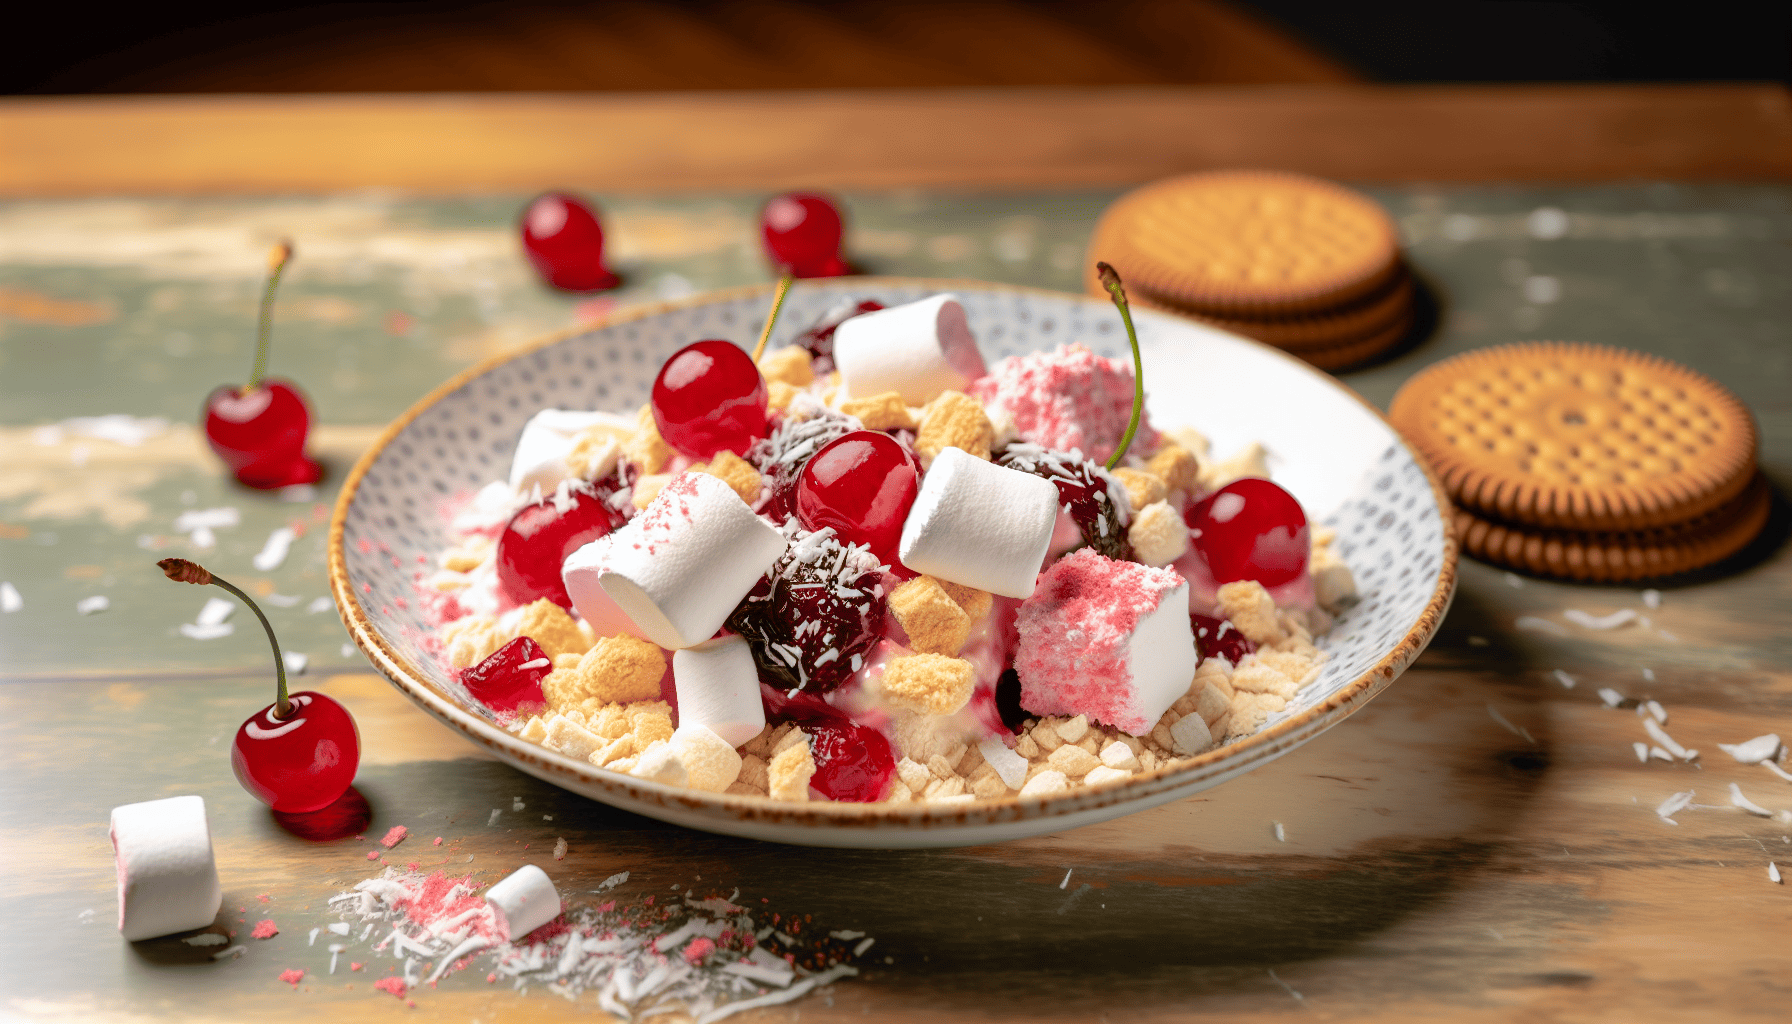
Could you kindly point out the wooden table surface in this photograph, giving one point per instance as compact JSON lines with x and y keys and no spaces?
{"x":1437,"y":865}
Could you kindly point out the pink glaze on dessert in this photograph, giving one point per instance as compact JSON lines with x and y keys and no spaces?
{"x":1076,"y":654}
{"x":1067,"y":398}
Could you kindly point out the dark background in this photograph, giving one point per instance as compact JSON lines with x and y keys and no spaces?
{"x":757,"y":44}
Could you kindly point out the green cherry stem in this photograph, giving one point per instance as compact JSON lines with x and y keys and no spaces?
{"x":1110,"y":279}
{"x":182,"y":570}
{"x":277,"y":260}
{"x":777,"y":304}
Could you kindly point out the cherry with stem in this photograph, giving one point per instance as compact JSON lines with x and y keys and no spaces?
{"x":280,"y":761}
{"x":259,"y":429}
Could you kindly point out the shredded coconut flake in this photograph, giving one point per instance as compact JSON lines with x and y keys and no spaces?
{"x":1660,"y":735}
{"x":1673,"y":805}
{"x":1515,"y":730}
{"x":1773,"y":873}
{"x":1611,"y":697}
{"x":1537,"y":625}
{"x":1621,"y":617}
{"x":1745,"y":803}
{"x":1565,"y":679}
{"x":1755,"y":751}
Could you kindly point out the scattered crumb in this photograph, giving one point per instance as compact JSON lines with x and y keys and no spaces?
{"x":394,"y":836}
{"x":265,"y":929}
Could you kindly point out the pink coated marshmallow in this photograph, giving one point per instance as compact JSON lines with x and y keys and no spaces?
{"x":1107,"y":639}
{"x":1067,"y":398}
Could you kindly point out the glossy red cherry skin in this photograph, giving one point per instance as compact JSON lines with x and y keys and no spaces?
{"x":861,"y":484}
{"x":509,"y":681}
{"x":260,"y":434}
{"x":302,"y":762}
{"x":563,"y":239}
{"x":537,"y":540}
{"x":1218,"y":638}
{"x":1251,"y":529}
{"x":802,"y":233}
{"x":709,"y":396}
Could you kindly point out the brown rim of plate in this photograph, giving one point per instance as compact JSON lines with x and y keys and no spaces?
{"x":1368,"y":316}
{"x":1622,"y":557}
{"x":1261,"y":746}
{"x":1466,"y":400}
{"x":1153,"y":237}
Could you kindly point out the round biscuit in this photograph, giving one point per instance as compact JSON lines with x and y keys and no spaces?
{"x":1368,"y":317}
{"x":1578,"y":437}
{"x":1621,"y":557}
{"x":1249,"y":243}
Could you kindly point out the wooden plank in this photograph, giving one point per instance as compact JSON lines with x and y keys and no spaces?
{"x":878,"y":139}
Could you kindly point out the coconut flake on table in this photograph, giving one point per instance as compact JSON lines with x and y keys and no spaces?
{"x":10,"y":601}
{"x":1661,"y":755}
{"x":1777,"y":770}
{"x":273,"y":552}
{"x":1651,"y":599}
{"x":1540,"y":625}
{"x":94,"y":604}
{"x":1642,"y":751}
{"x":1660,"y":735}
{"x":207,"y":518}
{"x":1761,"y":748}
{"x":1515,"y":730}
{"x":319,"y":604}
{"x":1621,"y":617}
{"x":295,"y":661}
{"x":1654,"y":710}
{"x":130,"y":431}
{"x":1514,"y":581}
{"x":1745,"y":803}
{"x":1611,"y":697}
{"x":1565,"y":679}
{"x":1673,"y":805}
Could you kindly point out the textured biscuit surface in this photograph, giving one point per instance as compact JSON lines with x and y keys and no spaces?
{"x":1621,"y":556}
{"x":1248,"y":243}
{"x":1578,"y":437}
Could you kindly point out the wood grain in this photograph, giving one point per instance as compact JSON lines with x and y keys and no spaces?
{"x":884,"y":139}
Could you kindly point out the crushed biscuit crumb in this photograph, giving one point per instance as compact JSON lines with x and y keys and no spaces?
{"x":791,"y":365}
{"x":645,"y":447}
{"x":930,"y":684}
{"x":736,"y":472}
{"x":881,"y":412}
{"x":619,"y":670}
{"x":790,"y":771}
{"x":1251,"y":609}
{"x":934,"y":622}
{"x":1158,"y":534}
{"x":954,"y":420}
{"x":1177,"y":467}
{"x":1142,"y":487}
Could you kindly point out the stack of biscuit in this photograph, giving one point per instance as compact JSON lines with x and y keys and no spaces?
{"x":1296,"y":262}
{"x":1586,"y":462}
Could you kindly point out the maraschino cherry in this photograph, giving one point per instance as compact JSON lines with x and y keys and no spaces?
{"x":710,"y":395}
{"x":298,"y":754}
{"x":539,"y":537}
{"x":803,"y":232}
{"x":861,"y":484}
{"x":259,"y":429}
{"x":1251,"y":529}
{"x":563,"y":239}
{"x":853,"y":763}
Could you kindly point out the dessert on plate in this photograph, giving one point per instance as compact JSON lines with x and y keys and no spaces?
{"x":869,"y":567}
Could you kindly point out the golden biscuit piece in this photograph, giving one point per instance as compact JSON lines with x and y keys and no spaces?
{"x":1142,"y":487}
{"x":934,"y":622}
{"x":736,"y":472}
{"x":881,"y":412}
{"x":954,"y":420}
{"x":788,"y":774}
{"x":930,"y":684}
{"x":549,"y":625}
{"x":645,"y":448}
{"x":1176,"y":466}
{"x":976,"y":603}
{"x":791,"y":365}
{"x":619,"y":670}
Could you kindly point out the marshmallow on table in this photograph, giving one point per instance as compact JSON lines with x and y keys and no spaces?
{"x":1107,"y":639}
{"x":677,"y":569}
{"x":546,"y":441}
{"x":523,"y":902}
{"x":917,"y":350}
{"x":718,"y":687}
{"x":979,"y":524}
{"x":167,"y":879}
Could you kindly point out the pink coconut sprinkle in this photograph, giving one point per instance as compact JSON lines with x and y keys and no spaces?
{"x":394,"y":985}
{"x":1074,"y":657}
{"x":292,"y":976}
{"x":1068,"y":398}
{"x":265,"y":929}
{"x":373,"y":855}
{"x":438,"y":840}
{"x":394,"y":836}
{"x":698,"y":949}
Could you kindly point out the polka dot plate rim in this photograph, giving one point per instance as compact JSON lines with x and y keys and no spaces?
{"x":1330,"y":447}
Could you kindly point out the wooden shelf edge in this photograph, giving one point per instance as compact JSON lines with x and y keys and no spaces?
{"x":161,"y":145}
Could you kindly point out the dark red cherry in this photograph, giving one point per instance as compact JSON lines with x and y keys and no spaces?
{"x":813,"y":617}
{"x":562,"y":238}
{"x":709,"y":396}
{"x":1085,"y":492}
{"x":1218,"y":638}
{"x":862,"y":484}
{"x":1251,"y":529}
{"x":302,"y":762}
{"x":509,"y":681}
{"x":802,"y":232}
{"x":819,"y":338}
{"x":260,"y":434}
{"x":539,"y":537}
{"x":852,"y":762}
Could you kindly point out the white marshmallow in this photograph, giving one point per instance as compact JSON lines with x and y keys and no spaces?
{"x":1161,"y":656}
{"x":546,"y":441}
{"x":523,"y":902}
{"x":918,"y":350}
{"x":718,"y":688}
{"x":677,"y":569}
{"x":711,"y":763}
{"x":167,"y":879}
{"x":980,"y":524}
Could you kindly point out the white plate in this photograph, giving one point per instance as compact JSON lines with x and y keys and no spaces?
{"x":1329,"y":447}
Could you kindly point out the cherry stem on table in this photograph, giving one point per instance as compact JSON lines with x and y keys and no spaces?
{"x":277,"y":261}
{"x":183,"y":570}
{"x":777,"y":304}
{"x":1110,"y":279}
